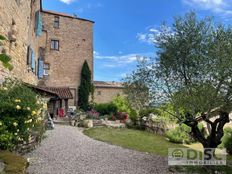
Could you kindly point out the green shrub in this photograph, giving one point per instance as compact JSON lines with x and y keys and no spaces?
{"x":133,"y":116}
{"x":146,"y":112}
{"x":21,"y":113}
{"x":180,"y":134}
{"x":106,"y":108}
{"x":122,"y":104}
{"x":5,"y":59}
{"x":164,"y":111}
{"x":227,"y":140}
{"x":5,"y":137}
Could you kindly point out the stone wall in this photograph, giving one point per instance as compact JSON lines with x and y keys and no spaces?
{"x":75,"y":37}
{"x":106,"y":94}
{"x":22,"y":14}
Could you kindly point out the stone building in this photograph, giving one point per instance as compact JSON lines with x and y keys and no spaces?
{"x":47,"y":49}
{"x":69,"y":42}
{"x":20,"y":24}
{"x":106,"y":91}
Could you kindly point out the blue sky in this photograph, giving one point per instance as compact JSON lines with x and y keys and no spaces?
{"x":123,"y":29}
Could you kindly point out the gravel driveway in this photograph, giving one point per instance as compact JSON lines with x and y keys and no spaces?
{"x":66,"y":150}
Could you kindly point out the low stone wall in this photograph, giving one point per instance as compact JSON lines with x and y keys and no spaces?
{"x":27,"y":146}
{"x":158,"y":127}
{"x":2,"y":166}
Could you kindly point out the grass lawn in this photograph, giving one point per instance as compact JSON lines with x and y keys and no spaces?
{"x":15,"y":164}
{"x":151,"y":143}
{"x":133,"y":139}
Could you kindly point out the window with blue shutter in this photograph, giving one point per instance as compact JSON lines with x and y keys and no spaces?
{"x":38,"y":23}
{"x":32,"y":60}
{"x":40,"y":68}
{"x":29,"y":50}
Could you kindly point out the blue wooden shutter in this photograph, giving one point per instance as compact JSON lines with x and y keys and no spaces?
{"x":40,"y":68}
{"x":38,"y":23}
{"x":32,"y":60}
{"x":29,"y":55}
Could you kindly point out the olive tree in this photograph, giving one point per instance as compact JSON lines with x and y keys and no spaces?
{"x":193,"y":72}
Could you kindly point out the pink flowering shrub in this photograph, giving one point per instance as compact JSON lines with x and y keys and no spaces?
{"x":123,"y":116}
{"x":93,"y":114}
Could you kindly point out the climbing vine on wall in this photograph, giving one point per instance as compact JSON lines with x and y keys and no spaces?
{"x":4,"y":58}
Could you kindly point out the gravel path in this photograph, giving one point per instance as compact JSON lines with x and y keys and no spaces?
{"x":66,"y":150}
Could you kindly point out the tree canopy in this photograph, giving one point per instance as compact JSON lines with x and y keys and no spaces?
{"x":193,"y":72}
{"x":85,"y":87}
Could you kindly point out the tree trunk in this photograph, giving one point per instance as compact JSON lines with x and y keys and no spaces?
{"x":215,"y":135}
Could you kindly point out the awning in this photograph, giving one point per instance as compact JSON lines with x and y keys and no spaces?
{"x":61,"y":92}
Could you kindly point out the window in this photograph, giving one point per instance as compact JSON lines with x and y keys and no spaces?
{"x":46,"y":68}
{"x":41,"y":53}
{"x":29,"y":54}
{"x":40,"y":68}
{"x":55,"y":45}
{"x":38,"y":23}
{"x":31,"y":62}
{"x":56,"y":22}
{"x":98,"y":92}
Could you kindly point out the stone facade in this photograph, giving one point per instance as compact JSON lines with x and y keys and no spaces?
{"x":17,"y":20}
{"x":63,"y":66}
{"x":106,"y":91}
{"x":75,"y":37}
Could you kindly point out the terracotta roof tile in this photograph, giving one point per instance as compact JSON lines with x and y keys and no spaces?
{"x":65,"y":15}
{"x":108,"y":84}
{"x":62,"y":92}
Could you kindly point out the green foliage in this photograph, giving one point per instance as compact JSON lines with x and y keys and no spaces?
{"x":133,"y":116}
{"x":190,"y":53}
{"x":21,"y":113}
{"x":5,"y":137}
{"x":122,"y":104}
{"x":180,"y":134}
{"x":165,"y":112}
{"x":146,"y":112}
{"x":136,"y":87}
{"x":192,"y":71}
{"x":2,"y":37}
{"x":5,"y":59}
{"x":106,"y":108}
{"x":227,"y":140}
{"x":202,"y":129}
{"x":85,"y":87}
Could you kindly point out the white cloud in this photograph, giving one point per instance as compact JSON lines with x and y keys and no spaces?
{"x":151,"y":33}
{"x":88,"y":6}
{"x":222,"y":7}
{"x":67,"y":1}
{"x":95,"y":53}
{"x":118,"y":60}
{"x":129,"y":58}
